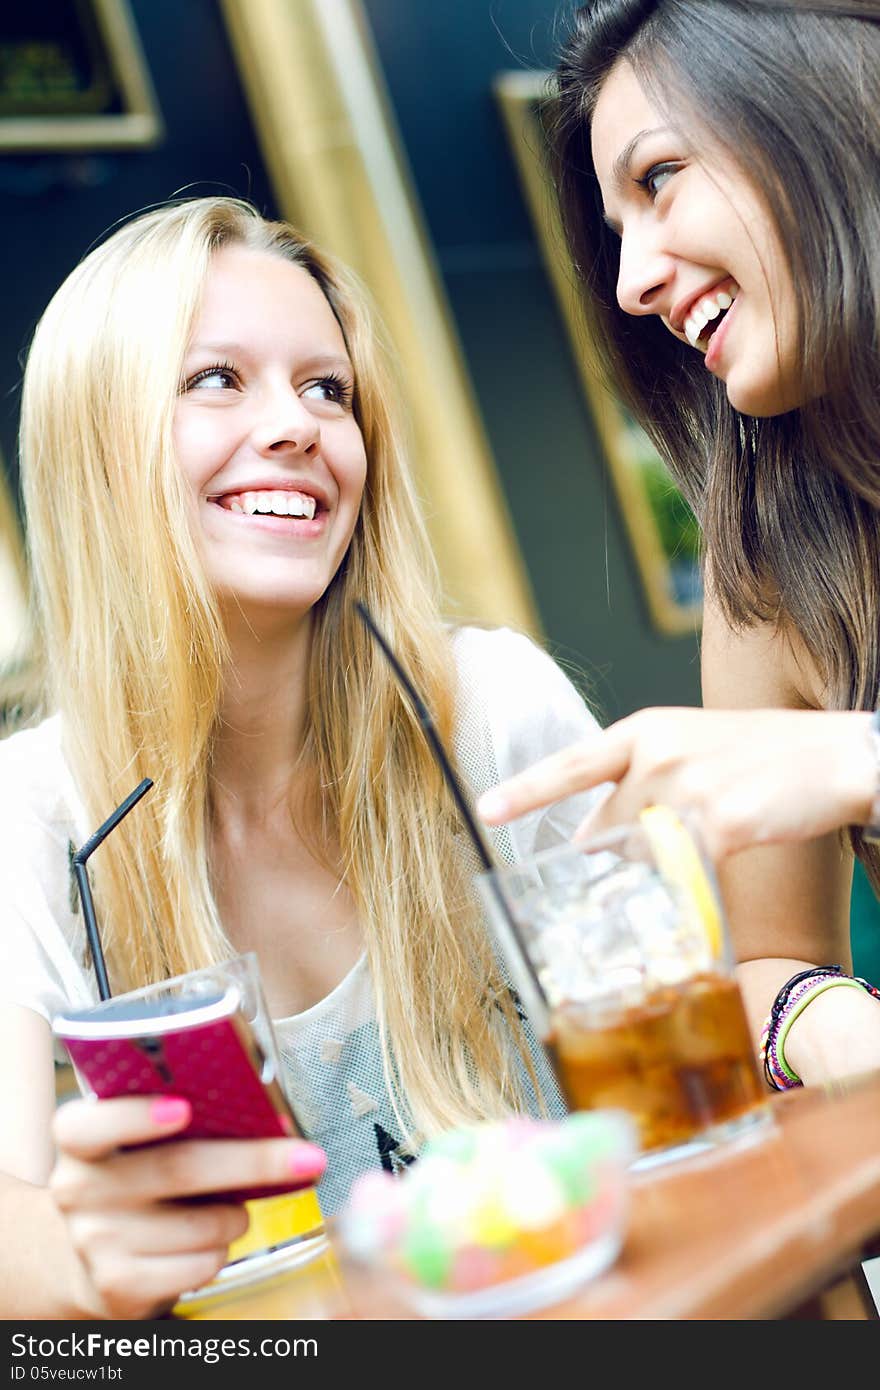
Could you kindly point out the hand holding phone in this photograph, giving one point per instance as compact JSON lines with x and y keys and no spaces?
{"x":195,"y":1037}
{"x":150,"y":1212}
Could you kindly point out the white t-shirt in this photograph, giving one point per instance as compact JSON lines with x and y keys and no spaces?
{"x":514,"y":705}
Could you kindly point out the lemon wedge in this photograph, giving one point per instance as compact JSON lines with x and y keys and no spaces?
{"x":678,"y":860}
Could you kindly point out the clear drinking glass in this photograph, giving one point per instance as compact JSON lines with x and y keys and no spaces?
{"x":621,"y":956}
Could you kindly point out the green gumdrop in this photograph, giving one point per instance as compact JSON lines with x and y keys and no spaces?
{"x":427,"y":1256}
{"x":459,"y":1145}
{"x":582,"y":1141}
{"x":574,"y":1170}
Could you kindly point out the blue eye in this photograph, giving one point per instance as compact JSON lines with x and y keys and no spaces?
{"x":657,"y":177}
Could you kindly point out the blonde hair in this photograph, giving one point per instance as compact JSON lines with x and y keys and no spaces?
{"x":136,"y":661}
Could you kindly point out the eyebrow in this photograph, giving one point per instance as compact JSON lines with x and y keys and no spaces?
{"x":620,"y":167}
{"x":227,"y":349}
{"x":321,"y":361}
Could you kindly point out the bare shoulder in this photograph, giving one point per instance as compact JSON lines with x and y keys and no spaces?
{"x":27,"y":1093}
{"x":761,"y":665}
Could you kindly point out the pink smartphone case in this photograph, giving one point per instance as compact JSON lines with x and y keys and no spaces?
{"x":207,"y":1063}
{"x":214,"y":1065}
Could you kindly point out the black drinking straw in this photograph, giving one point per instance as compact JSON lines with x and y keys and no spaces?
{"x":454,"y":785}
{"x":85,"y":891}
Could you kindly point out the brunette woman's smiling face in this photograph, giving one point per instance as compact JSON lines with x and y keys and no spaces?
{"x":698,"y":248}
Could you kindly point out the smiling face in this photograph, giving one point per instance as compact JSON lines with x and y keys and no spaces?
{"x":698,"y":248}
{"x":265,"y":434}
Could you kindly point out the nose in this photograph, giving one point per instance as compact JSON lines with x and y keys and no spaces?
{"x":645,"y":275}
{"x":285,"y":425}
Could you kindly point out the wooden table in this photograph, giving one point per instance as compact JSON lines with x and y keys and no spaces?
{"x":762,"y":1230}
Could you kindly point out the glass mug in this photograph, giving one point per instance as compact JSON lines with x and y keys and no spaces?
{"x":622,"y":959}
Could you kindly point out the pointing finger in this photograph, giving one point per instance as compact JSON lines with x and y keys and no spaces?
{"x":577,"y":768}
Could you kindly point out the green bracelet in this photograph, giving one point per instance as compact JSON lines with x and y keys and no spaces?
{"x":822,"y":982}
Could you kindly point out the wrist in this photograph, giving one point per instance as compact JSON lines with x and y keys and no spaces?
{"x":803,"y":1037}
{"x":840,"y":1038}
{"x":836,"y":1036}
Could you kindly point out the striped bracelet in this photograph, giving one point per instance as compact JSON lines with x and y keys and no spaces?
{"x":789,"y":1003}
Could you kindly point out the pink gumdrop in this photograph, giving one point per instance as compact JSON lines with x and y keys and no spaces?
{"x":596,"y":1216}
{"x":370,"y":1190}
{"x":589,"y":1224}
{"x":474,"y":1268}
{"x":521,"y":1130}
{"x":376,"y":1206}
{"x":391,"y":1221}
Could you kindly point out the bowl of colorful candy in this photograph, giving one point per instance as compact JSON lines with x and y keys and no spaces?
{"x":495,"y":1220}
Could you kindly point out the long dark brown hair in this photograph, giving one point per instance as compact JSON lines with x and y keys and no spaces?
{"x":790,"y":91}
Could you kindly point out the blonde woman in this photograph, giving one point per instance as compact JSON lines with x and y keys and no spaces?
{"x":211,"y":477}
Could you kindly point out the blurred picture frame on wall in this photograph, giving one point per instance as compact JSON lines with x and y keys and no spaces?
{"x":662,"y":530}
{"x":73,"y":77}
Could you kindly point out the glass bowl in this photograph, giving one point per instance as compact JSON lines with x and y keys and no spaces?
{"x":497,"y":1220}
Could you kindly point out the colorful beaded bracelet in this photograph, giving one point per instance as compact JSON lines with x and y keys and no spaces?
{"x":791,"y":1000}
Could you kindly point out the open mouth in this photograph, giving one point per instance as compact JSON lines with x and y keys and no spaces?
{"x":707,"y":315}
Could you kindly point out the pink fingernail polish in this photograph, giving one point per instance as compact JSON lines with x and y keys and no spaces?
{"x":306,"y":1160}
{"x":170,"y":1110}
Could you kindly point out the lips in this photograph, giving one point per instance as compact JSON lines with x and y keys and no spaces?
{"x":717,"y":341}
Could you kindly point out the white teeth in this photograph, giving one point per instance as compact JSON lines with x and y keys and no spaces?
{"x":300,"y":505}
{"x":708,"y":308}
{"x":275,"y":503}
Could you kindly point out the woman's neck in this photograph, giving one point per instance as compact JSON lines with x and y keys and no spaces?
{"x":262,"y":719}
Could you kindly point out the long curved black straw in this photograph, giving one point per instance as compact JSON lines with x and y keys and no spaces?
{"x":433,"y":738}
{"x":85,"y":892}
{"x":458,"y":795}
